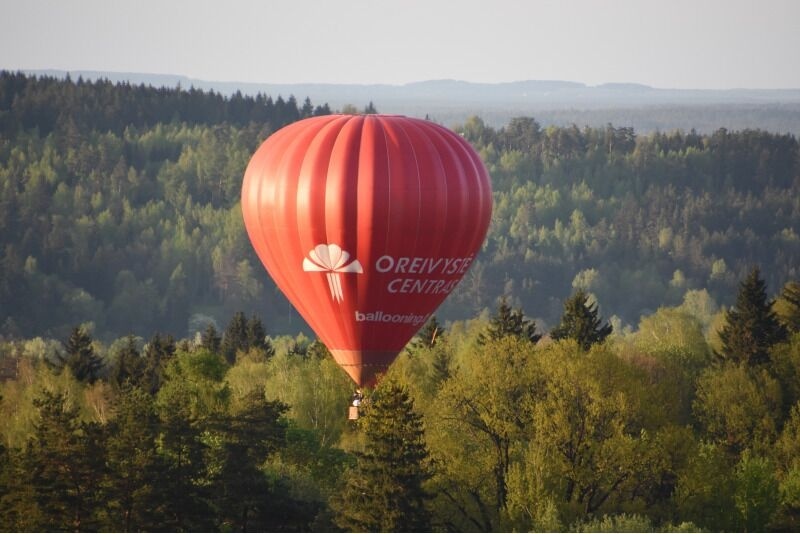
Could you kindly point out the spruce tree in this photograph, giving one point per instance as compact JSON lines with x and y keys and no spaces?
{"x":752,"y":327}
{"x":65,"y":462}
{"x":788,"y":306}
{"x":210,"y":339}
{"x":157,"y":354}
{"x":509,"y":322}
{"x":257,"y":337}
{"x":79,"y":356}
{"x":384,"y":492}
{"x":581,"y":322}
{"x":130,"y":366}
{"x":235,"y":337}
{"x":133,"y":487}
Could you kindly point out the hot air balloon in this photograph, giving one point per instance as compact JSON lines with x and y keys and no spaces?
{"x":366,"y":223}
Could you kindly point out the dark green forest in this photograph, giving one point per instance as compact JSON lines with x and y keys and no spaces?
{"x":624,"y":355}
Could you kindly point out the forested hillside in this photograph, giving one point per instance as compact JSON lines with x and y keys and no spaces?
{"x":120,"y":197}
{"x":615,"y":360}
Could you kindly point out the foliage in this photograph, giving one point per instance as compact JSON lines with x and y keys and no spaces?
{"x":385,"y":492}
{"x":581,"y":322}
{"x":510,"y":322}
{"x":643,"y":431}
{"x":118,"y":206}
{"x":787,"y":306}
{"x":738,"y":407}
{"x":79,"y":356}
{"x":118,"y":211}
{"x":752,"y":327}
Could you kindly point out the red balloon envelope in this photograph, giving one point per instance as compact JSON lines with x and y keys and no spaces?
{"x":366,"y":223}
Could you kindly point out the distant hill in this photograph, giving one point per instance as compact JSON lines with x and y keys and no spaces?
{"x":549,"y":101}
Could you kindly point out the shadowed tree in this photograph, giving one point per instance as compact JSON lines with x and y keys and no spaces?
{"x":581,"y":322}
{"x":509,"y":322}
{"x":157,"y":354}
{"x":752,"y":327}
{"x":135,"y":469}
{"x":80,"y":357}
{"x":788,"y":306}
{"x":130,"y":366}
{"x":384,"y":491}
{"x":210,"y":339}
{"x":257,"y":337}
{"x":242,"y":335}
{"x":64,"y":460}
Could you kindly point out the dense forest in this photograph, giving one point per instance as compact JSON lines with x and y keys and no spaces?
{"x":118,"y":197}
{"x":615,"y":359}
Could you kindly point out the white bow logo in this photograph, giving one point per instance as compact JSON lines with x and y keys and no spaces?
{"x":332,"y":260}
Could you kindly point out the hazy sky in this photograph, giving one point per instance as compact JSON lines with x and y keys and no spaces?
{"x":701,"y":44}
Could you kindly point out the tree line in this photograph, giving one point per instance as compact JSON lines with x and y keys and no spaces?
{"x":489,"y":424}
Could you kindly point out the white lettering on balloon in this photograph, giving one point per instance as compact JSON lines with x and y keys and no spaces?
{"x":427,"y":271}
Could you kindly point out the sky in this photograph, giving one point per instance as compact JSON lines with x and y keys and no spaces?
{"x":681,"y":44}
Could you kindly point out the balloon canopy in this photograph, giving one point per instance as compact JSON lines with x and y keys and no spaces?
{"x":366,"y":223}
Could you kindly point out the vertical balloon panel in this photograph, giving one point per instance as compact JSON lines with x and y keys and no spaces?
{"x":366,"y":223}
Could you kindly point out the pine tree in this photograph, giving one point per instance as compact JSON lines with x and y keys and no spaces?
{"x":384,"y":491}
{"x":752,"y":327}
{"x":157,"y":354}
{"x":788,"y":306}
{"x":248,"y":500}
{"x":135,"y":469}
{"x":235,"y":337}
{"x":130,"y":366}
{"x":509,"y":322}
{"x":581,"y":322}
{"x":79,"y":356}
{"x":257,"y":337}
{"x":64,"y":460}
{"x":242,"y":334}
{"x":210,"y":339}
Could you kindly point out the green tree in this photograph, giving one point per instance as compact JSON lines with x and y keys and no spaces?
{"x":757,"y":493}
{"x":581,"y":322}
{"x":210,"y":340}
{"x":509,"y":322}
{"x":738,"y":407}
{"x":787,"y":306}
{"x":186,"y":486}
{"x":441,"y":368}
{"x":385,"y":492}
{"x":235,"y":337}
{"x":64,"y":460}
{"x":586,"y":431}
{"x":133,"y":486}
{"x":704,"y":489}
{"x":157,"y":354}
{"x":752,"y":327}
{"x":485,"y":403}
{"x":246,"y":498}
{"x":129,"y":366}
{"x":257,"y":337}
{"x":79,"y":356}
